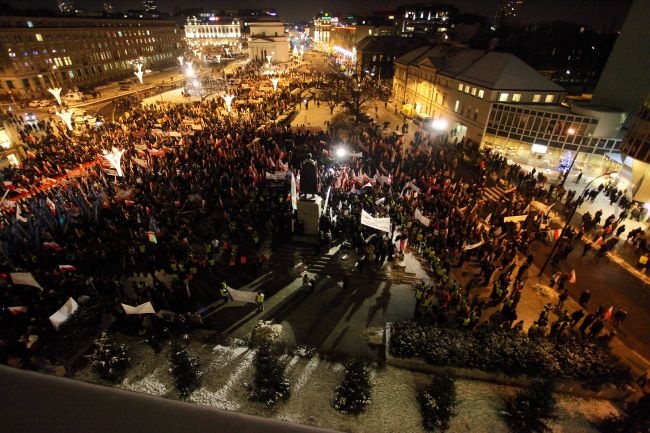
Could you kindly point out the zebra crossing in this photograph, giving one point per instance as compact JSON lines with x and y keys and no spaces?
{"x":493,"y":193}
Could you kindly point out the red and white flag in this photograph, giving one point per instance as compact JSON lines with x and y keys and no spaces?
{"x":572,"y":277}
{"x":17,"y":310}
{"x":608,"y":313}
{"x":67,"y":268}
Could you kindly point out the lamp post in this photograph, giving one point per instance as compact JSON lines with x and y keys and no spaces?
{"x":181,"y":60}
{"x":56,"y":92}
{"x":114,"y":157}
{"x":139,"y":73}
{"x":66,"y":116}
{"x":275,"y":81}
{"x":570,"y":132}
{"x":228,"y":100}
{"x":568,"y":222}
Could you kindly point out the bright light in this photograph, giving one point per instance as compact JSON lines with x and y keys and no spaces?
{"x":56,"y":91}
{"x":189,"y":72}
{"x":114,"y":157}
{"x":341,"y":152}
{"x":228,"y":100}
{"x":571,"y":131}
{"x":439,"y":124}
{"x":275,"y":81}
{"x":66,"y":116}
{"x":139,"y":74}
{"x":181,"y":60}
{"x":343,"y":51}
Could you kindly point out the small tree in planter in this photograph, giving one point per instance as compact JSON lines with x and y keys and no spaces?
{"x":184,"y":368}
{"x":528,"y":411}
{"x":438,"y":402}
{"x":353,"y":395}
{"x":110,"y":358}
{"x":270,"y":383}
{"x":635,"y":420}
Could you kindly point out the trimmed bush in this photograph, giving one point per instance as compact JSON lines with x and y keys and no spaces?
{"x":635,"y":420}
{"x":528,"y":411}
{"x":353,"y":395}
{"x":184,"y":368}
{"x":509,"y":352}
{"x":110,"y":359}
{"x":270,"y":384}
{"x":438,"y":402}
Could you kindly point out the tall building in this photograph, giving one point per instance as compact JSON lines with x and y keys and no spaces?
{"x":66,"y":6}
{"x":212,"y":31}
{"x":150,"y":6}
{"x":506,"y":11}
{"x":424,"y":19}
{"x":496,"y":100}
{"x":41,"y":52}
{"x":322,"y":29}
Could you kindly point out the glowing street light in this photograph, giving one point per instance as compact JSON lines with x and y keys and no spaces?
{"x":189,"y":72}
{"x":228,"y":100}
{"x":439,"y":125}
{"x":295,"y":51}
{"x":181,"y":60}
{"x":66,"y":116}
{"x":269,"y":58}
{"x":571,"y":131}
{"x":341,"y":152}
{"x":139,"y":73}
{"x":218,"y":58}
{"x":56,"y":92}
{"x":114,"y":157}
{"x":275,"y":81}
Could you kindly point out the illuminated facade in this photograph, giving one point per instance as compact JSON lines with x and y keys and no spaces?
{"x":423,"y":19}
{"x":496,"y":100}
{"x":41,"y":52}
{"x":268,"y":38}
{"x":213,"y":31}
{"x":506,"y":11}
{"x":322,"y":28}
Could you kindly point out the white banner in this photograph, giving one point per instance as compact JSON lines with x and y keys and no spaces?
{"x":420,"y":217}
{"x":356,"y":154}
{"x":146,"y":308}
{"x":412,"y":186}
{"x":515,"y":219}
{"x":471,"y":247}
{"x":24,"y":279}
{"x":278,"y":175}
{"x":242,"y":296}
{"x":64,"y":313}
{"x":382,"y":224}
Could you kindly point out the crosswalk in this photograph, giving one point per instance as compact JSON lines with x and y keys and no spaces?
{"x":493,"y":193}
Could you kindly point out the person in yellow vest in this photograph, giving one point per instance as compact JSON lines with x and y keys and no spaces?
{"x":259,"y":301}
{"x":223,"y":292}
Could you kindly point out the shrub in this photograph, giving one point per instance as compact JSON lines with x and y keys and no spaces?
{"x":635,"y":420}
{"x":184,"y":368}
{"x":438,"y":402}
{"x":353,"y":395}
{"x":270,"y":383}
{"x":528,"y":411}
{"x":110,"y":359}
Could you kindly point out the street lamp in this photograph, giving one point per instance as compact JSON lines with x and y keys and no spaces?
{"x":189,"y":72}
{"x":275,"y":81}
{"x":439,"y":125}
{"x":568,"y":221}
{"x":114,"y":157}
{"x":56,"y":91}
{"x":139,"y":73}
{"x":66,"y":116}
{"x":228,"y":100}
{"x":571,"y":132}
{"x":341,"y":152}
{"x":181,"y":60}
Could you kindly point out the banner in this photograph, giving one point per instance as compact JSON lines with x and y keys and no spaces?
{"x":64,"y":313}
{"x":24,"y":279}
{"x":473,"y":246}
{"x":420,"y":217}
{"x":242,"y":296}
{"x":356,"y":154}
{"x":412,"y":186}
{"x":515,"y":219}
{"x":278,"y":175}
{"x":382,"y":224}
{"x":146,"y":308}
{"x":294,"y":192}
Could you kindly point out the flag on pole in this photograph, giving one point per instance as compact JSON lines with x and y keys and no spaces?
{"x":67,"y":268}
{"x":572,"y":277}
{"x":152,"y":237}
{"x":608,"y":313}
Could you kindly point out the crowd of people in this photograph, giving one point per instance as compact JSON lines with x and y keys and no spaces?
{"x":194,"y":200}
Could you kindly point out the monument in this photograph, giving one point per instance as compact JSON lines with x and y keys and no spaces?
{"x":309,"y":203}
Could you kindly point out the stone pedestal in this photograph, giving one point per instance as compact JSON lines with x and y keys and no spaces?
{"x":309,"y":211}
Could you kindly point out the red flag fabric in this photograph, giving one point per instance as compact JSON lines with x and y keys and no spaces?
{"x":608,"y":313}
{"x":572,"y":277}
{"x":67,"y":268}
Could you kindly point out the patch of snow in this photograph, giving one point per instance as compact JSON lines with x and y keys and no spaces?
{"x":306,"y":374}
{"x":152,"y":384}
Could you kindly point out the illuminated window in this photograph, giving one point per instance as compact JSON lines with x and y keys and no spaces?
{"x":460,"y":87}
{"x":481,"y":93}
{"x":466,"y":88}
{"x":503,"y":96}
{"x":473,"y":91}
{"x":456,"y":105}
{"x":537,"y":98}
{"x":39,"y":37}
{"x":516,"y":97}
{"x":549,"y":99}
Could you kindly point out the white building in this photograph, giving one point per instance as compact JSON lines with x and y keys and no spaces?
{"x":213,"y":32}
{"x":267,"y":38}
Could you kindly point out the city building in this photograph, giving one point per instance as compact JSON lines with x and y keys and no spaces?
{"x":506,"y":11}
{"x":150,"y":6}
{"x":212,"y":31}
{"x":66,"y":6}
{"x":495,"y":99}
{"x":322,"y":28}
{"x":11,"y":151}
{"x":268,"y":40}
{"x":376,"y":55}
{"x":424,"y":19}
{"x":108,"y":8}
{"x":41,"y":52}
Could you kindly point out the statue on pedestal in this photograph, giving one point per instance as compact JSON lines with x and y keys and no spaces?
{"x":309,"y":177}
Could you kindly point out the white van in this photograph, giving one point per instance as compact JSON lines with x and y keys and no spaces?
{"x":73,"y":97}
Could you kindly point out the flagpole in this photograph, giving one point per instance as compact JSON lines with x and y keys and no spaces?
{"x":568,"y":222}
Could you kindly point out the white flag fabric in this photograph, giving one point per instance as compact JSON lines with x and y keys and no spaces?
{"x":24,"y":279}
{"x":471,"y":247}
{"x":380,"y":201}
{"x":294,"y":192}
{"x":146,"y":308}
{"x":411,"y":185}
{"x":382,"y":224}
{"x":541,"y":206}
{"x":242,"y":296}
{"x":64,"y":313}
{"x":515,"y":219}
{"x":278,"y":175}
{"x":356,"y":154}
{"x":420,"y":217}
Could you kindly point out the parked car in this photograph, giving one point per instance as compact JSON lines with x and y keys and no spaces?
{"x":73,"y":97}
{"x":34,"y":104}
{"x":30,"y":118}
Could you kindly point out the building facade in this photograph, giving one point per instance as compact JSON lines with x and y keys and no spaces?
{"x":496,"y":100}
{"x":424,"y":19}
{"x":322,"y":28}
{"x":268,"y":38}
{"x":376,"y":55}
{"x":213,"y":31}
{"x":41,"y":52}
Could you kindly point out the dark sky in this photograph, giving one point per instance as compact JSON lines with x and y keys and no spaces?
{"x":600,"y":14}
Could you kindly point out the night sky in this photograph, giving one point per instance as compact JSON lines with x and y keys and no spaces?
{"x":600,"y":14}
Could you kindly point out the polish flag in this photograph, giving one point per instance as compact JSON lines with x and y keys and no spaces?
{"x":572,"y":277}
{"x":608,"y":313}
{"x":17,"y":310}
{"x":556,"y":234}
{"x":67,"y":268}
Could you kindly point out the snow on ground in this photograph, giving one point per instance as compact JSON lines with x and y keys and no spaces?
{"x":394,"y":407}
